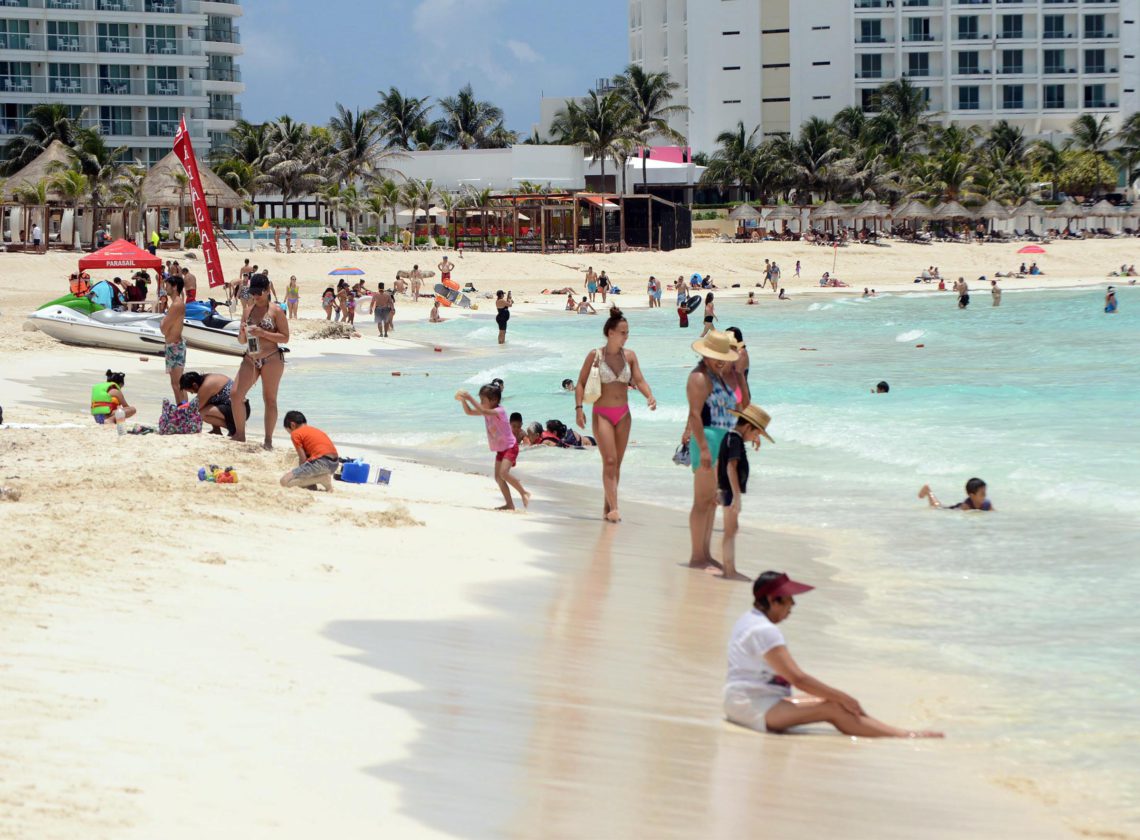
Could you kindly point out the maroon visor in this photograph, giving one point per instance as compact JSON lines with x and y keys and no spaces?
{"x":780,"y":587}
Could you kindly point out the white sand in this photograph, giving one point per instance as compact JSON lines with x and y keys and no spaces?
{"x":188,"y":660}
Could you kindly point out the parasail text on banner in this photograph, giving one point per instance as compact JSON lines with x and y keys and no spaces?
{"x":185,"y":152}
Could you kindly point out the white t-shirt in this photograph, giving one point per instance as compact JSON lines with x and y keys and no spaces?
{"x":752,"y":637}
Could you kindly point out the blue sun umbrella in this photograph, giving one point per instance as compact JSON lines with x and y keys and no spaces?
{"x":351,"y":272}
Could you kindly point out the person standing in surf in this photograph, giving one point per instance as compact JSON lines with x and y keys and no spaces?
{"x":619,"y":371}
{"x":503,"y":303}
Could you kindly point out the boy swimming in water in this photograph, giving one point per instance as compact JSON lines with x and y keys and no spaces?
{"x":975,"y":497}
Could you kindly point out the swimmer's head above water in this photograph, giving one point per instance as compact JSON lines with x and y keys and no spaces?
{"x":882,"y":388}
{"x":567,"y":384}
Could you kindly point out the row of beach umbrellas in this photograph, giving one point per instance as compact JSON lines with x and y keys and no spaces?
{"x":944,"y":211}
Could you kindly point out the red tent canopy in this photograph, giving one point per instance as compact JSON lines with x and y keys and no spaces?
{"x":119,"y":254}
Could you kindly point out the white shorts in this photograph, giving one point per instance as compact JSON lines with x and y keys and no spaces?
{"x":748,"y":706}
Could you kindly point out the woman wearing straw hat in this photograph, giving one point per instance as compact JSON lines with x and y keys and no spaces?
{"x":711,"y":401}
{"x":761,"y":674}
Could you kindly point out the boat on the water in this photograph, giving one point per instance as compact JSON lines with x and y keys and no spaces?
{"x":135,"y":332}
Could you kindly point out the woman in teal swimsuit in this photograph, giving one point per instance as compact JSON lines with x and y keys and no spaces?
{"x":710,"y":400}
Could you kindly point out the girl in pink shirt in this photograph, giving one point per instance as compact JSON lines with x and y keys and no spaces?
{"x":500,"y":438}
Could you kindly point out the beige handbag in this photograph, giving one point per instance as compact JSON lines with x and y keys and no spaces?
{"x":593,"y":388}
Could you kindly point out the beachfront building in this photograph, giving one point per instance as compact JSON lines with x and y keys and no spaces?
{"x":131,"y":67}
{"x":776,"y":63}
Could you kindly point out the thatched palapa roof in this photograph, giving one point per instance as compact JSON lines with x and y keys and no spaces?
{"x":744,"y":212}
{"x":46,"y":165}
{"x":161,"y":187}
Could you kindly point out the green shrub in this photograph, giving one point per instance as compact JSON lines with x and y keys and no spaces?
{"x":328,"y":241}
{"x":296,"y":223}
{"x":368,"y":240}
{"x":193,"y":239}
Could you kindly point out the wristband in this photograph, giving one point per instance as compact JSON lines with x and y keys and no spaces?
{"x":577,"y":407}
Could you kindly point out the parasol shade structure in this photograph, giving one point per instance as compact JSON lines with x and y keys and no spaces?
{"x":913,"y":210}
{"x":783,"y":213}
{"x":951,"y":210}
{"x":119,"y":254}
{"x":1067,"y":209}
{"x":1031,"y":249}
{"x":744,"y":212}
{"x":993,"y":210}
{"x":346,"y":272}
{"x":828,"y":210}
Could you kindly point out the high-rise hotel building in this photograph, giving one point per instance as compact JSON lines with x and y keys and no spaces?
{"x":131,"y":67}
{"x":776,"y":63}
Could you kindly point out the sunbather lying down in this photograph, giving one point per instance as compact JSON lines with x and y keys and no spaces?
{"x":565,"y":290}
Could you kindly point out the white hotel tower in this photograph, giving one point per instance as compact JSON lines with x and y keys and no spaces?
{"x":132,"y":67}
{"x":776,"y":63}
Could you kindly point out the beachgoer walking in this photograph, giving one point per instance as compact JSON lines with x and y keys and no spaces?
{"x":604,"y":285}
{"x":995,"y":292}
{"x":975,"y":497}
{"x":797,"y":268}
{"x":342,"y":301}
{"x":292,"y":296}
{"x":500,"y":439}
{"x":381,"y":309}
{"x":591,"y":283}
{"x":317,"y":458}
{"x":417,"y":279}
{"x":343,"y":239}
{"x":175,"y":348}
{"x":710,"y":400}
{"x":37,"y":236}
{"x":710,"y":314}
{"x":263,"y":330}
{"x":651,"y":290}
{"x":1110,"y":304}
{"x":732,"y":477}
{"x":503,"y":313}
{"x":618,"y":370}
{"x":107,"y":398}
{"x":215,"y":395}
{"x":762,"y":673}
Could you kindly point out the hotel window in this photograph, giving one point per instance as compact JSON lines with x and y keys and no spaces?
{"x":1013,"y":97}
{"x":871,"y":66}
{"x":1012,"y":26}
{"x":1012,"y":62}
{"x":63,"y":36}
{"x":918,"y":29}
{"x":968,"y":98}
{"x":871,"y":32}
{"x":162,"y":122}
{"x":160,"y":40}
{"x":869,"y":100}
{"x":1053,"y":61}
{"x":968,"y":27}
{"x":1053,"y":27}
{"x":1094,"y":61}
{"x":65,"y":78}
{"x":162,"y":81}
{"x":1054,"y":96}
{"x":16,"y":76}
{"x":1094,"y":96}
{"x":1094,"y":26}
{"x":14,"y":35}
{"x":968,"y":63}
{"x":114,"y":38}
{"x":918,"y":64}
{"x":115,"y":79}
{"x":115,"y":119}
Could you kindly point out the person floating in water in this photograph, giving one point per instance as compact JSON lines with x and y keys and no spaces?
{"x":975,"y":497}
{"x":1110,"y":304}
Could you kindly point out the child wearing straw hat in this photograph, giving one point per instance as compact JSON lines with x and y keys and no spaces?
{"x":732,"y":476}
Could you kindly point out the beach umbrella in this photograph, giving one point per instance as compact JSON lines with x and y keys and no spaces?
{"x":783,"y":213}
{"x":871,"y":210}
{"x":744,"y":212}
{"x":951,"y":210}
{"x":912,"y":210}
{"x":828,"y":210}
{"x":349,"y":272}
{"x":1031,"y":249}
{"x":1067,"y":209}
{"x":1104,"y":209}
{"x":993,"y":210}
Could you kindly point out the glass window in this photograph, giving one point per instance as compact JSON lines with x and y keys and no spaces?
{"x":1094,"y":61}
{"x":1013,"y":97}
{"x":871,"y":31}
{"x":1054,"y":61}
{"x":1012,"y":26}
{"x":1054,"y":96}
{"x":1012,"y":61}
{"x":115,"y":119}
{"x":968,"y":99}
{"x":1094,"y":26}
{"x":1053,"y":26}
{"x":1094,"y":96}
{"x":918,"y":29}
{"x":162,"y":122}
{"x":160,"y":40}
{"x":871,"y":66}
{"x":968,"y":63}
{"x":115,"y":78}
{"x":162,"y":81}
{"x":968,"y":27}
{"x":63,"y":36}
{"x":869,"y":100}
{"x":918,"y":64}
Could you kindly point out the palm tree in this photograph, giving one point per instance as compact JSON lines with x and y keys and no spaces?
{"x":1047,"y":160}
{"x":648,"y":96}
{"x":469,"y":123}
{"x":35,"y":195}
{"x":332,"y":193}
{"x":73,"y":186}
{"x":294,"y":161}
{"x":102,"y":165}
{"x":1091,"y":134}
{"x":376,"y":205}
{"x":356,"y":139}
{"x":733,"y":164}
{"x":387,"y":192}
{"x":448,"y":202}
{"x":46,"y":124}
{"x":353,"y":204}
{"x":401,"y":118}
{"x":1008,"y":141}
{"x":1128,"y":154}
{"x":246,"y":180}
{"x":599,"y":124}
{"x":426,"y":197}
{"x":129,"y":193}
{"x":249,"y":142}
{"x":411,"y":195}
{"x":483,"y":200}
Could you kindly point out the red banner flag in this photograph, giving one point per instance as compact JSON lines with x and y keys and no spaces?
{"x":185,"y":152}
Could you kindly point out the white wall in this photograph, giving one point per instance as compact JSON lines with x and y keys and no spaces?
{"x":560,"y":167}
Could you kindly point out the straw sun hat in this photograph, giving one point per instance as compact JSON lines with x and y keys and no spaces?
{"x":717,"y":345}
{"x":755,"y":415}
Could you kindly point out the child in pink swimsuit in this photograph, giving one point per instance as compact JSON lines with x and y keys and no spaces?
{"x":500,"y":438}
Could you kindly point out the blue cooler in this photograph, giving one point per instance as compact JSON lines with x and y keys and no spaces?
{"x":355,"y":472}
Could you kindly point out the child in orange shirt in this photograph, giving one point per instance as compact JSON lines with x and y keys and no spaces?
{"x":316,"y":456}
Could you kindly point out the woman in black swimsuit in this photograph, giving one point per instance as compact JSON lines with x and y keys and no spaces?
{"x":503,"y":305}
{"x":710,"y":314}
{"x":264,"y":360}
{"x":214,"y":392}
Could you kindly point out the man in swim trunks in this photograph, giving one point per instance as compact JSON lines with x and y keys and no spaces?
{"x":381,"y":309}
{"x":171,"y":326}
{"x":445,"y":267}
{"x":963,"y":293}
{"x":190,"y":284}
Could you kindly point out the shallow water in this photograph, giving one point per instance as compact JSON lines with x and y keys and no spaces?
{"x":1037,"y":396}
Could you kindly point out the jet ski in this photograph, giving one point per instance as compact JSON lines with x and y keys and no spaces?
{"x":135,"y":332}
{"x":213,"y":333}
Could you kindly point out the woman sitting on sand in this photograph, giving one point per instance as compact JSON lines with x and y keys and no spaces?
{"x":214,"y":399}
{"x":762,"y":673}
{"x":619,"y":371}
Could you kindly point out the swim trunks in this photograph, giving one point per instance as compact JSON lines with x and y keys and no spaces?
{"x":963,"y":301}
{"x":191,"y":295}
{"x":511,"y":455}
{"x":175,"y":356}
{"x":316,"y":468}
{"x":381,"y":314}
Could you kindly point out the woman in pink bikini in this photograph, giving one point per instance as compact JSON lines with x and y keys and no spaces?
{"x":619,"y":371}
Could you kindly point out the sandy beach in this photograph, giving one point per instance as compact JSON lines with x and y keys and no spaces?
{"x":185,"y":659}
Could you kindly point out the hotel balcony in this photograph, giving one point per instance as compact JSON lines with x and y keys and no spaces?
{"x":158,"y":7}
{"x":90,"y":45}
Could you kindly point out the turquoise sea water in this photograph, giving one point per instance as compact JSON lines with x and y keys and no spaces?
{"x":1038,"y":397}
